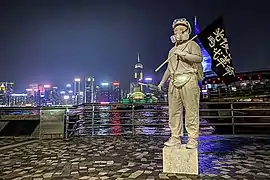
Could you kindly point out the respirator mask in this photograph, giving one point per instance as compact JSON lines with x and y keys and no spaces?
{"x":180,"y":37}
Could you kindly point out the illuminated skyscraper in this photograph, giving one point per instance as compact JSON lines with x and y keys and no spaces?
{"x":116,"y":92}
{"x":69,"y":89}
{"x":77,"y":91}
{"x":103,"y":92}
{"x":2,"y":94}
{"x":6,"y":90}
{"x":18,"y":99}
{"x":55,"y":96}
{"x":97,"y":93}
{"x":68,"y":97}
{"x":32,"y":95}
{"x":138,"y":74}
{"x":89,"y":90}
{"x":47,"y":95}
{"x":148,"y":81}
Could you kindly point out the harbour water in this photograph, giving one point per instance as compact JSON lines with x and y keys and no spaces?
{"x":110,"y":120}
{"x":215,"y":118}
{"x":152,"y":119}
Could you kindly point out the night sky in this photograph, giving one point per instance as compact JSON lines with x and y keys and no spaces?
{"x":52,"y":41}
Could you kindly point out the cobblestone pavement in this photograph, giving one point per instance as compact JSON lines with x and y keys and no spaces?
{"x":133,"y":158}
{"x":10,"y":141}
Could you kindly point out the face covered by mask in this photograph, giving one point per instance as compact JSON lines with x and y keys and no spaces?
{"x":180,"y":36}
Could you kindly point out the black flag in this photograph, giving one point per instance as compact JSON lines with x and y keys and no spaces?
{"x":215,"y":41}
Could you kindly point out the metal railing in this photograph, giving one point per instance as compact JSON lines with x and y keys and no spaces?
{"x":233,"y":118}
{"x":218,"y":94}
{"x":32,"y":122}
{"x":219,"y":117}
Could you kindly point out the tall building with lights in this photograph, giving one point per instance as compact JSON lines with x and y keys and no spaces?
{"x":69,"y":88}
{"x":6,"y":89}
{"x":103,"y":92}
{"x":77,"y":91}
{"x":33,"y":95}
{"x":2,"y":95}
{"x":47,"y":95}
{"x":138,"y":73}
{"x":18,"y":99}
{"x":147,"y":81}
{"x":68,"y":97}
{"x":89,"y":89}
{"x":36,"y":94}
{"x":97,"y":93}
{"x":116,"y":92}
{"x":55,"y":97}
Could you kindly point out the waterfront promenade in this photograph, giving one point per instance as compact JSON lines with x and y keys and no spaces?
{"x":131,"y":157}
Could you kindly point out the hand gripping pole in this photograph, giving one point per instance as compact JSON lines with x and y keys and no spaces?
{"x":159,"y":67}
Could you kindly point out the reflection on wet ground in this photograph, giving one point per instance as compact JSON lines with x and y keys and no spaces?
{"x":107,"y":121}
{"x":133,"y":157}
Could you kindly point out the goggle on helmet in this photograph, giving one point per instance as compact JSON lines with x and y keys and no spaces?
{"x":182,"y":21}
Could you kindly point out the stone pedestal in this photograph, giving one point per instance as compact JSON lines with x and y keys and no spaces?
{"x":180,"y":160}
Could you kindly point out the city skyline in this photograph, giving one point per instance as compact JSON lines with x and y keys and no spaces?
{"x":81,"y":78}
{"x":137,"y":76}
{"x":63,"y":85}
{"x":79,"y":90}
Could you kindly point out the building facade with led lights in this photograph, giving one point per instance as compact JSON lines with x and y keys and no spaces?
{"x":89,"y":89}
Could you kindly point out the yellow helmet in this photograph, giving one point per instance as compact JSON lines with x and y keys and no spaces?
{"x":182,"y":21}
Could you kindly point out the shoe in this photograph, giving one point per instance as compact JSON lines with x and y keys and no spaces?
{"x":172,"y":142}
{"x":192,"y":143}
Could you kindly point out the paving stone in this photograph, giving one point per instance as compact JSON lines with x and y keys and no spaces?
{"x":135,"y":174}
{"x":150,"y":178}
{"x":104,"y":177}
{"x":123,"y":170}
{"x":147,"y":172}
{"x":102,"y":173}
{"x":135,"y":157}
{"x":47,"y":175}
{"x":242,"y":171}
{"x":85,"y":177}
{"x":263,"y":174}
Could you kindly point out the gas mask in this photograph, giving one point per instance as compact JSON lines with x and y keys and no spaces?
{"x":184,"y":36}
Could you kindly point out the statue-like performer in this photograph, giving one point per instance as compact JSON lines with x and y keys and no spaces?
{"x":184,"y":71}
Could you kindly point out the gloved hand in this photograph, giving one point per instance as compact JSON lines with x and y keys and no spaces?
{"x":180,"y":53}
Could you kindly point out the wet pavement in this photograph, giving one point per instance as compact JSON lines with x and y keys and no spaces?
{"x":130,"y":157}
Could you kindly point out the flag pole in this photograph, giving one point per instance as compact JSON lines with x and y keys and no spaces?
{"x":159,"y":67}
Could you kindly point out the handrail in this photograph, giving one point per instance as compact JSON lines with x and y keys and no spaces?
{"x":131,"y":116}
{"x":93,"y":116}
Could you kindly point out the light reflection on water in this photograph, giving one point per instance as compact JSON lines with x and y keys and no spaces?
{"x":213,"y":150}
{"x":148,"y":120}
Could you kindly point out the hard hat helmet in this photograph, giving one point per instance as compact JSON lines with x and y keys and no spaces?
{"x":182,"y":21}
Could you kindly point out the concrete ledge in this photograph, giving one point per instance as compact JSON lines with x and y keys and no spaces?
{"x":180,"y":160}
